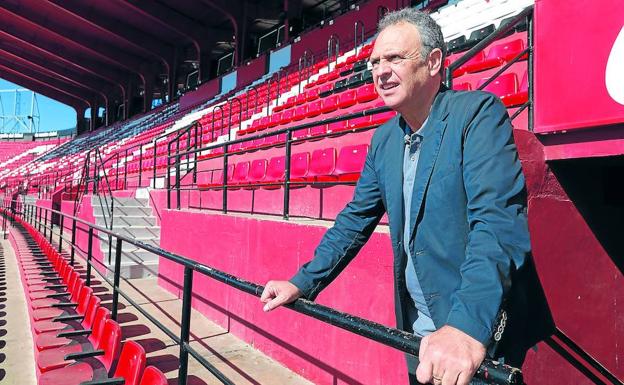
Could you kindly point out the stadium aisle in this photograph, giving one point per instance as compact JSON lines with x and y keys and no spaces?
{"x":16,"y":349}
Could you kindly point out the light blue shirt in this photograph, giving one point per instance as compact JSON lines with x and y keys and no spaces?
{"x":419,"y":315}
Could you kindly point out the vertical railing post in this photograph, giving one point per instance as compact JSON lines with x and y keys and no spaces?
{"x":185,"y":326}
{"x":530,"y":68}
{"x":287,"y":174}
{"x":225,"y":178}
{"x":141,"y":164}
{"x":45,"y":223}
{"x":62,"y":220}
{"x":51,"y":224}
{"x":116,"y":279}
{"x":73,"y":239}
{"x":89,"y":255}
{"x":178,"y":180}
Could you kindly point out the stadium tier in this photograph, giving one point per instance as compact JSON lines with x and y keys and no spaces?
{"x":140,"y":247}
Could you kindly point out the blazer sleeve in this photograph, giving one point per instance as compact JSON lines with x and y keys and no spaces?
{"x":341,"y":243}
{"x":498,"y":238}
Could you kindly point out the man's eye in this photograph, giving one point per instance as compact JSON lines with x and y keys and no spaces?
{"x":395,"y":59}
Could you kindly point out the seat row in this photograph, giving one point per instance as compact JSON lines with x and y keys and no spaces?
{"x":75,"y":339}
{"x":506,"y":86}
{"x":323,"y":166}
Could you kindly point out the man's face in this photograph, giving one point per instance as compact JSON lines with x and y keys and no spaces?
{"x":399,"y":71}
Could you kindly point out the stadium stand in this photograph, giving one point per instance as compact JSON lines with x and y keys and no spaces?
{"x":240,"y":184}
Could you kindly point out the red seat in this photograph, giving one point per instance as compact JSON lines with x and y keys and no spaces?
{"x":522,"y":95}
{"x":499,"y":54}
{"x":347,"y":99}
{"x":51,"y":359}
{"x":275,"y":171}
{"x":275,"y":119}
{"x":312,"y":94}
{"x":329,"y":104}
{"x":366,"y":93}
{"x":318,"y":130}
{"x":314,"y":109}
{"x":339,"y":126}
{"x":273,"y":140}
{"x":287,"y":116}
{"x":322,"y":164}
{"x":360,"y":122}
{"x":301,"y":98}
{"x":257,"y":170}
{"x":350,"y":162}
{"x":217,"y":178}
{"x":92,"y":369}
{"x":153,"y":376}
{"x":301,"y":133}
{"x":299,"y":166}
{"x":327,"y":87}
{"x":381,"y":118}
{"x":473,"y":64}
{"x":241,"y":173}
{"x":300,"y":112}
{"x":465,"y":86}
{"x":503,"y":86}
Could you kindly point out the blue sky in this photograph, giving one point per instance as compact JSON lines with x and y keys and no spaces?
{"x":53,"y":115}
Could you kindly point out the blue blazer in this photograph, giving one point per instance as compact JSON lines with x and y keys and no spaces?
{"x":469,"y":240}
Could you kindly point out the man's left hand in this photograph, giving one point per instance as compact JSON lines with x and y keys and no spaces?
{"x":449,"y":356}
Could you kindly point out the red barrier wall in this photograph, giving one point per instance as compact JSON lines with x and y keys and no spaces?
{"x":257,"y":250}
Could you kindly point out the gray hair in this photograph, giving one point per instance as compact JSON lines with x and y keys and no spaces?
{"x":430,"y":32}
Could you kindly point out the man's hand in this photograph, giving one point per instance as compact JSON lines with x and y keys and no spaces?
{"x":449,"y":356}
{"x":277,"y":293}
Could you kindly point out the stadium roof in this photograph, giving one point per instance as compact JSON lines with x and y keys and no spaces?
{"x":101,"y":53}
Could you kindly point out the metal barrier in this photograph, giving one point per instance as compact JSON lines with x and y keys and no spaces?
{"x":490,"y":371}
{"x":526,"y":14}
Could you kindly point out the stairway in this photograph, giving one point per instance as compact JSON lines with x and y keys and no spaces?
{"x":133,"y":218}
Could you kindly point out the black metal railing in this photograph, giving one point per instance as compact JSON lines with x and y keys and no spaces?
{"x":525,"y":15}
{"x":490,"y":371}
{"x":289,"y":141}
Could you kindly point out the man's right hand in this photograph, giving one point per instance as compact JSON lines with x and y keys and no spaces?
{"x":277,"y":293}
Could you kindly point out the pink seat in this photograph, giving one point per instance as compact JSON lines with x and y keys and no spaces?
{"x":153,"y":376}
{"x":314,"y":109}
{"x":360,"y":122}
{"x":322,"y":164}
{"x":318,"y":130}
{"x":339,"y":126}
{"x":312,"y":94}
{"x":381,"y":118}
{"x":501,"y":53}
{"x":350,"y":162}
{"x":329,"y":104}
{"x":275,"y":171}
{"x":366,"y":93}
{"x":503,"y":86}
{"x":257,"y":170}
{"x":347,"y":99}
{"x":522,"y":95}
{"x":241,"y":173}
{"x":300,"y":112}
{"x":472,"y":65}
{"x":465,"y":86}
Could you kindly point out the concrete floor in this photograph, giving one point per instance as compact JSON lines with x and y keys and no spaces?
{"x":238,"y":361}
{"x":17,"y":361}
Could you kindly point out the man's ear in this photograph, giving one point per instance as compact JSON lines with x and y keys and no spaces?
{"x":434,"y":61}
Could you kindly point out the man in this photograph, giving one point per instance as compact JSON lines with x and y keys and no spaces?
{"x":446,"y":171}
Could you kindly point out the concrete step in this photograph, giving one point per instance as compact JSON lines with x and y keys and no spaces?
{"x":123,"y":210}
{"x":138,"y":232}
{"x":128,"y":247}
{"x":131,"y":202}
{"x":126,"y":220}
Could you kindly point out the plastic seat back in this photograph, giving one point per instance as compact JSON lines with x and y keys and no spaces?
{"x":102,"y":314}
{"x":323,"y":162}
{"x":83,"y":300}
{"x":351,"y":159}
{"x":299,"y":165}
{"x":275,"y":169}
{"x":131,"y":363}
{"x":153,"y":376}
{"x":92,"y":307}
{"x":110,"y":343}
{"x":257,"y":170}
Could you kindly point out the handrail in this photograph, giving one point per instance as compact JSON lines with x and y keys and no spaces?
{"x":332,"y":39}
{"x":491,"y":371}
{"x":359,"y":23}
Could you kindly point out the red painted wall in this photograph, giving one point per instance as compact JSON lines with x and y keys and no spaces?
{"x":258,"y":250}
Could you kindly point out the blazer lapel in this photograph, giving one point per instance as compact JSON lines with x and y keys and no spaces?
{"x":430,"y":146}
{"x":394,"y":181}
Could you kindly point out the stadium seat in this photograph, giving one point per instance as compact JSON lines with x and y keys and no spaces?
{"x":347,"y":99}
{"x":329,"y":104}
{"x":275,"y":171}
{"x":503,"y":86}
{"x":299,"y":167}
{"x":322,"y":164}
{"x":522,"y":95}
{"x":366,"y":93}
{"x":91,"y":369}
{"x":241,"y":173}
{"x":257,"y":170}
{"x":301,"y":112}
{"x":350,"y":162}
{"x":497,"y":55}
{"x":381,"y":118}
{"x":360,"y":122}
{"x":339,"y":126}
{"x":153,"y":376}
{"x":314,"y":109}
{"x":54,"y":358}
{"x":318,"y":130}
{"x":465,"y":86}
